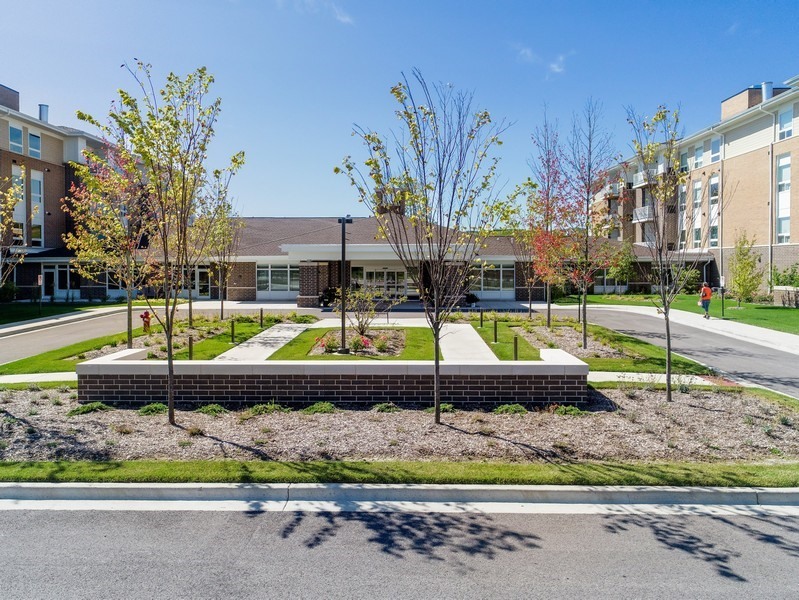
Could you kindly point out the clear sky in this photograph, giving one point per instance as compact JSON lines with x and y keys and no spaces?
{"x":295,"y":75}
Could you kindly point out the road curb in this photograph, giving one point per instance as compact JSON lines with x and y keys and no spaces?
{"x":45,"y":322}
{"x":361,"y":493}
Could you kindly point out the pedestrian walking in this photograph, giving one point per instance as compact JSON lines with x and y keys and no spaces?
{"x":704,"y":298}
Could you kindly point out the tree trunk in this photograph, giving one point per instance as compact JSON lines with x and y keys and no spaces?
{"x":437,"y":374}
{"x":221,"y":303}
{"x":191,"y":308}
{"x":130,"y":317}
{"x":585,"y":318}
{"x":170,"y":363}
{"x":530,"y":304}
{"x":668,"y":354}
{"x":549,"y":306}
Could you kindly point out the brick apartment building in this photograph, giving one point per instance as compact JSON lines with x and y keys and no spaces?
{"x":42,"y":152}
{"x":739,"y":180}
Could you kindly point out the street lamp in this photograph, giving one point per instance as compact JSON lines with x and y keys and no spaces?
{"x":343,"y":280}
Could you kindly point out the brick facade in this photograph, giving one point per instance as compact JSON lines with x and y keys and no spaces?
{"x":345,"y":391}
{"x":241,"y":285}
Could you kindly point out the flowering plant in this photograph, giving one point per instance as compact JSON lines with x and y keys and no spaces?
{"x":381,"y":343}
{"x":359,"y":342}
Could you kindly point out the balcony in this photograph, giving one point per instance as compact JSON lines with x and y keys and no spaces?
{"x":643,"y":214}
{"x":611,"y":189}
{"x":643,"y":178}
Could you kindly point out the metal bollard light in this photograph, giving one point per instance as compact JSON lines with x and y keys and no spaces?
{"x":232,"y":331}
{"x":261,"y":321}
{"x":495,"y":330}
{"x":515,"y":347}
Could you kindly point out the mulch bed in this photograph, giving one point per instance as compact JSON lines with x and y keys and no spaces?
{"x":394,"y":340}
{"x":623,"y":424}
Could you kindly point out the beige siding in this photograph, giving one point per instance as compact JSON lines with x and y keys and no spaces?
{"x":751,"y":136}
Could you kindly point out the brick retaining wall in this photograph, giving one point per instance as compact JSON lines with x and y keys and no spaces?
{"x":347,"y":384}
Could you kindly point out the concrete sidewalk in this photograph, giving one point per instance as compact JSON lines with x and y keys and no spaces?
{"x":263,"y":345}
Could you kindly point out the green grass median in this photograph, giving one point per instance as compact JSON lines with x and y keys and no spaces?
{"x":586,"y":473}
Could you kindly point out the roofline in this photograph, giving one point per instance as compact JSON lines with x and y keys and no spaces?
{"x":10,"y":112}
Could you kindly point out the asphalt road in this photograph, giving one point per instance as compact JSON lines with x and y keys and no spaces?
{"x":758,"y":364}
{"x":393,"y":555}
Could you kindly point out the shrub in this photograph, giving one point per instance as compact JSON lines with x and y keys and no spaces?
{"x":381,"y":343}
{"x":212,"y":410}
{"x":156,"y":408}
{"x":85,"y":409}
{"x":359,"y":342}
{"x":446,"y":407}
{"x":319,"y":408}
{"x":571,"y":411}
{"x":386,"y":407}
{"x":56,"y":402}
{"x":123,"y":429}
{"x":195,"y":431}
{"x":184,"y":443}
{"x":263,"y":409}
{"x":8,"y":292}
{"x":64,"y":389}
{"x":34,"y":388}
{"x":510,"y":409}
{"x":329,"y":343}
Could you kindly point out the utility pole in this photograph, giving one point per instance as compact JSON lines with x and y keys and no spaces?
{"x":343,"y":281}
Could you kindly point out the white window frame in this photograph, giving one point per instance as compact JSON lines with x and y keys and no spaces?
{"x":699,"y":154}
{"x":34,"y":153}
{"x":18,"y":148}
{"x":283,"y":267}
{"x":783,"y":204}
{"x":684,"y":162}
{"x":715,"y":150}
{"x":20,"y":214}
{"x":785,"y":124}
{"x":37,"y":207}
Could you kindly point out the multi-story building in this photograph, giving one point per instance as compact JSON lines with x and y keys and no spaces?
{"x":36,"y":154}
{"x":738,"y":179}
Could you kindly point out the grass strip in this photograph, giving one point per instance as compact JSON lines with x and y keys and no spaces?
{"x":418,"y":346}
{"x":213,"y":346}
{"x":42,"y":385}
{"x":646,"y":357}
{"x":503,"y":349}
{"x":778,"y":318}
{"x":585,"y":473}
{"x":64,"y":359}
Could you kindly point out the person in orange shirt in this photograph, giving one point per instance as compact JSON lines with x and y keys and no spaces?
{"x":704,"y":296}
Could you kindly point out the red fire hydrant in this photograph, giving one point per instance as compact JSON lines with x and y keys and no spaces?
{"x":145,"y":318}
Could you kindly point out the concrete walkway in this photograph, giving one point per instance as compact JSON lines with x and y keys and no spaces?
{"x":263,"y":345}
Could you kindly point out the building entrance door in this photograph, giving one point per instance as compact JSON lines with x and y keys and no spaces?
{"x":392,"y":282}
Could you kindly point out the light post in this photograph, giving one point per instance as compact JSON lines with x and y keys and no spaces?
{"x":343,"y":281}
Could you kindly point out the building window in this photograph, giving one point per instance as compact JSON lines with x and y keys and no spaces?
{"x":681,"y":198}
{"x":20,"y":213}
{"x":15,"y":138}
{"x":34,"y":145}
{"x":37,"y":207}
{"x":697,"y":197}
{"x":714,"y":190}
{"x":683,"y":162}
{"x":493,"y":278}
{"x":784,"y":199}
{"x":697,"y":237}
{"x":682,"y":239}
{"x":278,"y":278}
{"x":785,"y":124}
{"x":714,"y":236}
{"x":715,"y":150}
{"x":699,"y":152}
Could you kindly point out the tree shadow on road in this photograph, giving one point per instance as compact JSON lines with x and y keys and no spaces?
{"x":678,"y":533}
{"x":434,"y":536}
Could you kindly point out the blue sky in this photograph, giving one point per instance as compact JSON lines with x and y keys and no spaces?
{"x":295,"y":75}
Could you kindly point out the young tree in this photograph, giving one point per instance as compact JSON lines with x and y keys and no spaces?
{"x":673,"y":260}
{"x":11,"y":242}
{"x":746,"y":274}
{"x":170,"y":130}
{"x":431,"y":188}
{"x":524,"y":229}
{"x":112,"y":231}
{"x":588,"y":157}
{"x":624,"y":266}
{"x":223,"y":246}
{"x":550,"y":207}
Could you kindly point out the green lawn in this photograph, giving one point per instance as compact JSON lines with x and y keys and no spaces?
{"x":645,"y":357}
{"x":779,"y":318}
{"x":213,"y":346}
{"x":13,"y":312}
{"x":503,"y":349}
{"x":64,"y":359}
{"x":418,"y":346}
{"x":585,"y":473}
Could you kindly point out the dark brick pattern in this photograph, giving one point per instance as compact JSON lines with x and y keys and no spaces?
{"x":346,"y":391}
